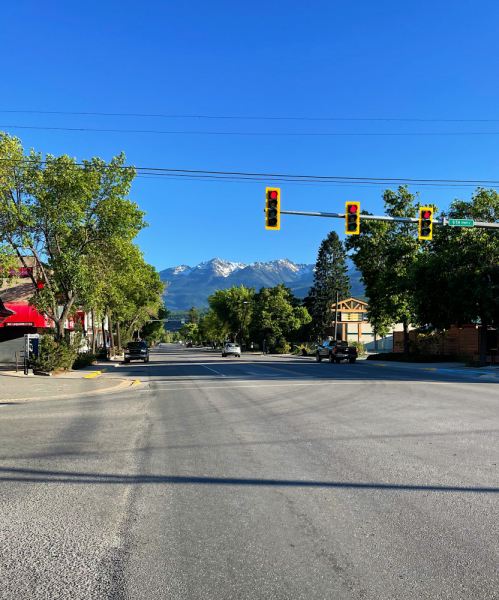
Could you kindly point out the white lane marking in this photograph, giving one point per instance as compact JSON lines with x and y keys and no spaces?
{"x":213,"y":370}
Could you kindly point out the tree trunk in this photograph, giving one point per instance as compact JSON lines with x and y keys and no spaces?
{"x":483,"y":343}
{"x":406,"y":340}
{"x":111,"y":338}
{"x":94,"y":333}
{"x":60,"y":329}
{"x":104,"y":333}
{"x":118,"y":336}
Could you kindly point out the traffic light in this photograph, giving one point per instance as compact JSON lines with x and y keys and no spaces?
{"x":425,"y":223}
{"x":352,"y":218}
{"x":272,"y":208}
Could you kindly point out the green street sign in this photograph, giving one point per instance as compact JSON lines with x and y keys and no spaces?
{"x":461,"y":222}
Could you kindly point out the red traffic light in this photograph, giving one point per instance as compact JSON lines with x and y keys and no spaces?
{"x":352,"y":208}
{"x":426,"y":214}
{"x":273,"y":195}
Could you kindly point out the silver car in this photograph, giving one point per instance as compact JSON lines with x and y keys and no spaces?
{"x":231,"y":348}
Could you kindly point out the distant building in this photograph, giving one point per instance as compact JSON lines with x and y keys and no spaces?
{"x":354,"y":326}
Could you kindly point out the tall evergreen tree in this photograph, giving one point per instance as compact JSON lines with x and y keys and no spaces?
{"x":194,"y":315}
{"x":330,"y":276}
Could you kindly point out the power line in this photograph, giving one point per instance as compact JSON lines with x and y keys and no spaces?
{"x":250,"y":118}
{"x":250,"y":133}
{"x":241,"y":175}
{"x":208,"y":179}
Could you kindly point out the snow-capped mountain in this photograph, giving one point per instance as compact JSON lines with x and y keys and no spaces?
{"x":220,"y":267}
{"x":191,"y":286}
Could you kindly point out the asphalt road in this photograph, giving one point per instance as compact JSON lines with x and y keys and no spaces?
{"x":254,"y":478}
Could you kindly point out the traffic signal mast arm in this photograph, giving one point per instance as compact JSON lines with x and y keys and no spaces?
{"x":443,"y":221}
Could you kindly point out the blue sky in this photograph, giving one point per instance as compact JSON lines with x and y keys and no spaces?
{"x":363,"y":60}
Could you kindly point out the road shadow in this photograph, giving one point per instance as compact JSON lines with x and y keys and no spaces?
{"x":44,"y":476}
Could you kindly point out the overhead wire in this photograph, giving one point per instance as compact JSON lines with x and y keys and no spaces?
{"x":247,"y":118}
{"x":257,"y":134}
{"x":241,"y":176}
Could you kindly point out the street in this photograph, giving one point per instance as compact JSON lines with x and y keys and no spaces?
{"x":254,"y":478}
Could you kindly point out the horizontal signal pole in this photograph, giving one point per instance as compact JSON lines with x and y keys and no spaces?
{"x":384,"y":218}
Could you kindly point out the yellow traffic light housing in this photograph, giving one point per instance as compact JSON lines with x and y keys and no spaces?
{"x":352,"y":218}
{"x":272,"y":208}
{"x":425,"y":228}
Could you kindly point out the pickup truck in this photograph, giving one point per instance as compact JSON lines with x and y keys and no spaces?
{"x":336,"y":351}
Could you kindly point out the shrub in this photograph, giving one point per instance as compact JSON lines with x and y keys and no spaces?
{"x":301,"y":350}
{"x":84,"y":360}
{"x":58,"y":354}
{"x":360,"y":346}
{"x":284,"y":348}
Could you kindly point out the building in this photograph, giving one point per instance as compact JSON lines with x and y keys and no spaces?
{"x":354,"y":326}
{"x":462,"y":341}
{"x":17,"y":317}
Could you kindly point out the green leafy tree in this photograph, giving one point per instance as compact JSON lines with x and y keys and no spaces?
{"x":61,"y":213}
{"x":213,"y":329}
{"x":457,"y":279}
{"x":194,"y":315}
{"x":190,"y":332}
{"x":386,"y":254}
{"x":330,"y":278}
{"x":233,"y":308}
{"x":276,"y":316}
{"x":153,"y":330}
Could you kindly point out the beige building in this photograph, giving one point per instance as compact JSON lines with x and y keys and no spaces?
{"x":354,"y":326}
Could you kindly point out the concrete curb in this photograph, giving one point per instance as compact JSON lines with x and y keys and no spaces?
{"x":124,"y":383}
{"x":60,"y":375}
{"x":95,"y":373}
{"x":443,"y":370}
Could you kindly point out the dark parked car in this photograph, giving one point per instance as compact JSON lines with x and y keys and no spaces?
{"x":136,"y":351}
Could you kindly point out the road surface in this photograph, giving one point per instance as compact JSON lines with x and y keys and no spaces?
{"x":254,"y":478}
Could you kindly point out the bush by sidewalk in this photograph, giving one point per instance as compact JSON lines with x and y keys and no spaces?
{"x":62,"y":355}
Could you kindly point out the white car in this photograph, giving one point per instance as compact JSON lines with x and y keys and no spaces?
{"x":231,"y":348}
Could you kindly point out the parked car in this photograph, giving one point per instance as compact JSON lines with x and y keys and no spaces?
{"x":336,"y":351}
{"x":231,"y":348}
{"x":136,"y":351}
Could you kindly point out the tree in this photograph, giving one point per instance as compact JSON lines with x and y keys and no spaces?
{"x":64,"y":215}
{"x":213,"y":329}
{"x":330,"y":278}
{"x":277,"y":315}
{"x":194,"y":315}
{"x":125,"y":289}
{"x":233,"y":308}
{"x":386,"y":254}
{"x":153,"y":330}
{"x":457,"y":279}
{"x":190,"y":332}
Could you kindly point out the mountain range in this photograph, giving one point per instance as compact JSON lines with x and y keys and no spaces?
{"x":191,"y":286}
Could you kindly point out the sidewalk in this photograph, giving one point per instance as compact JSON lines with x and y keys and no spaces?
{"x":452,"y":367}
{"x":17,"y":387}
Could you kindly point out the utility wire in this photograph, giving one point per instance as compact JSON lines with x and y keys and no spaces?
{"x":241,"y":175}
{"x":249,"y":133}
{"x":248,"y":118}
